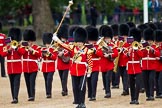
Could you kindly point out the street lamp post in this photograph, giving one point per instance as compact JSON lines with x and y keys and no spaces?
{"x":145,"y":12}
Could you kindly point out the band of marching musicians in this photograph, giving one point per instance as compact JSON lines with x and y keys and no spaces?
{"x":134,"y":53}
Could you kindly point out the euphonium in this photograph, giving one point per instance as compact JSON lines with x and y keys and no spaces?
{"x":14,"y":44}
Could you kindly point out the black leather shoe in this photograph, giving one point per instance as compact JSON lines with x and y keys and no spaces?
{"x":136,"y":102}
{"x":92,"y":99}
{"x":4,"y":76}
{"x":15,"y":101}
{"x":75,"y":102}
{"x":49,"y":96}
{"x":150,"y":98}
{"x":82,"y":105}
{"x":159,"y":96}
{"x":125,"y":93}
{"x":31,"y":99}
{"x":132,"y":102}
{"x":64,"y":93}
{"x":115,"y":87}
{"x":108,"y":95}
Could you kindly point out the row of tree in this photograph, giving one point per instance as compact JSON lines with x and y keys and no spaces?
{"x":42,"y":9}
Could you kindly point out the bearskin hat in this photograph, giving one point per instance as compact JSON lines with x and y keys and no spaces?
{"x":107,"y":31}
{"x":101,"y":29}
{"x":47,"y":38}
{"x":71,"y":33}
{"x":92,"y":33}
{"x":159,"y":25}
{"x":131,"y":24}
{"x":115,"y":28}
{"x":63,"y":31}
{"x":148,"y":34}
{"x":29,"y":35}
{"x":152,"y":26}
{"x":80,"y":35}
{"x":15,"y":34}
{"x":136,"y":33}
{"x":124,"y":29}
{"x":158,"y":35}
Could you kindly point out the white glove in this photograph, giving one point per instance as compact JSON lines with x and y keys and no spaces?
{"x":71,"y":2}
{"x":55,"y":38}
{"x":88,"y":75}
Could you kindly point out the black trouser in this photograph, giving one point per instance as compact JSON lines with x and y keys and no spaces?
{"x":30,"y":83}
{"x":108,"y":77}
{"x":64,"y":78}
{"x":124,"y":75}
{"x":2,"y":66}
{"x":115,"y":78}
{"x":104,"y":80}
{"x":158,"y":83}
{"x":142,"y":82}
{"x":48,"y":77}
{"x":92,"y":84}
{"x":79,"y":88}
{"x":15,"y":85}
{"x":134,"y":85}
{"x":149,"y":77}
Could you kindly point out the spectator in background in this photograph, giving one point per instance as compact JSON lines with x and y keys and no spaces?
{"x":20,"y":16}
{"x":87,"y":12}
{"x":28,"y":11}
{"x":154,"y":6}
{"x":77,"y":12}
{"x":67,"y":16}
{"x":116,"y":14}
{"x":136,"y":14}
{"x":94,"y":14}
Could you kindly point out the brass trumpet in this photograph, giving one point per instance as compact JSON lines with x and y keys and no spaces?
{"x":14,"y":44}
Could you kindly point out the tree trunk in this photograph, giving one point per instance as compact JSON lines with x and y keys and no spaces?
{"x":42,"y":17}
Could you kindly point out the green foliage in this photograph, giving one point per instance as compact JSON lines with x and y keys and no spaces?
{"x":10,"y":6}
{"x":131,"y":3}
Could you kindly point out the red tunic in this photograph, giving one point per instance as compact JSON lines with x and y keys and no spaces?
{"x":149,"y":58}
{"x":123,"y":59}
{"x":14,"y":62}
{"x":62,"y":65}
{"x":48,"y":61}
{"x":30,"y":59}
{"x":133,"y":64}
{"x":107,"y":64}
{"x":81,"y":59}
{"x":2,"y":42}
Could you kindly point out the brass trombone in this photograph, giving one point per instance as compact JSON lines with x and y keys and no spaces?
{"x":14,"y":44}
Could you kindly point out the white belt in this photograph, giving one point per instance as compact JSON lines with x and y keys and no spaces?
{"x":95,"y":59}
{"x":1,"y":44}
{"x":81,"y":63}
{"x":30,"y":60}
{"x":18,"y":60}
{"x":48,"y":61}
{"x":1,"y":37}
{"x":133,"y":61}
{"x":148,"y":58}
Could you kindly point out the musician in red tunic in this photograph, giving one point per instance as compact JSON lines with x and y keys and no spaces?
{"x":108,"y":53}
{"x":149,"y":63}
{"x":63,"y":59}
{"x":134,"y":55}
{"x":80,"y":66}
{"x":49,"y":56}
{"x":2,"y":60}
{"x":14,"y":65}
{"x":124,"y":30}
{"x":158,"y":76}
{"x":31,"y":54}
{"x":115,"y":74}
{"x":93,"y":78}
